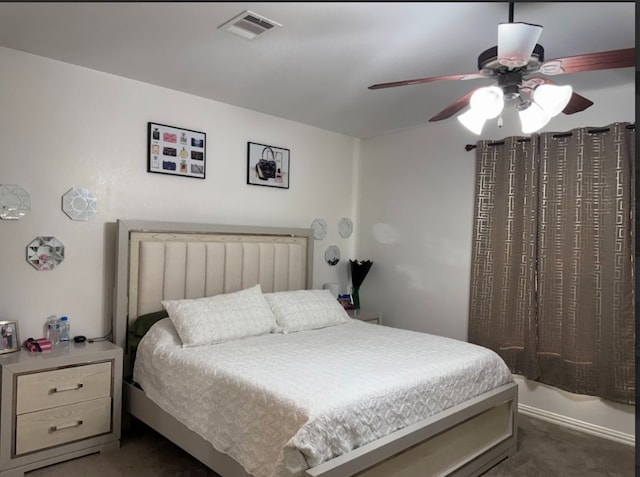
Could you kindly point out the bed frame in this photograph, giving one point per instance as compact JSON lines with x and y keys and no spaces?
{"x":165,"y":260}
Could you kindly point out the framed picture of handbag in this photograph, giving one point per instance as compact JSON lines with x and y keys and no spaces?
{"x":176,"y":151}
{"x":268,"y":165}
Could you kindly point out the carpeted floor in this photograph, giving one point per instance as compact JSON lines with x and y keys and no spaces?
{"x":543,"y":450}
{"x":551,"y":451}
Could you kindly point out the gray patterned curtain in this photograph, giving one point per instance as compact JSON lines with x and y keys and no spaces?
{"x":552,"y":264}
{"x":502,"y":301}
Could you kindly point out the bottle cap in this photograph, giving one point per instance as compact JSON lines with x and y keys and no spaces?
{"x":64,"y":318}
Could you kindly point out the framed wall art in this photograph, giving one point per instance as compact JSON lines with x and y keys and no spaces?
{"x":176,"y":151}
{"x":9,"y":340}
{"x":267,"y":165}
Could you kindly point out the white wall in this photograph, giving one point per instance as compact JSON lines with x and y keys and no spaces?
{"x":416,"y":206}
{"x":63,"y":126}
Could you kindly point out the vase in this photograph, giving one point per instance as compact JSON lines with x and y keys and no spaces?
{"x":355,"y":295}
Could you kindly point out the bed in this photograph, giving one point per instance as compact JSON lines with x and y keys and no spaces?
{"x":159,"y":261}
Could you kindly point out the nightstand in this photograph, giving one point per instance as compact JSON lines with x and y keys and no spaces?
{"x":368,"y":316}
{"x":58,"y":405}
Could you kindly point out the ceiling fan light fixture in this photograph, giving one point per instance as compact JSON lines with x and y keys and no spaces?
{"x":516,"y":42}
{"x":552,"y":98}
{"x":516,"y":56}
{"x":473,"y":120}
{"x":487,"y":102}
{"x":533,"y":118}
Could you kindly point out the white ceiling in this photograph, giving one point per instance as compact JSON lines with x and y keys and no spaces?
{"x":316,"y":68}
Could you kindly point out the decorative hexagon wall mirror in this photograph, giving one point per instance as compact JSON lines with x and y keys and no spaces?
{"x":79,"y":204}
{"x":332,"y":255}
{"x":15,"y":202}
{"x":319,"y":227}
{"x":345,"y":227}
{"x":45,"y":253}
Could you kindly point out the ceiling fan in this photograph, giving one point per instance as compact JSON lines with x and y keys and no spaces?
{"x":510,"y":63}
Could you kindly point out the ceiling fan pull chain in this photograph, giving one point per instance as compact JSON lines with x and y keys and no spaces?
{"x":500,"y":120}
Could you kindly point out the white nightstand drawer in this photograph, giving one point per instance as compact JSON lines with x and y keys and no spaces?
{"x":38,"y":430}
{"x":58,"y":405}
{"x":62,"y":386}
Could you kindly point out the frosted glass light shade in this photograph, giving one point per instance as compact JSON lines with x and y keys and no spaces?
{"x":487,"y":102}
{"x":516,"y":42}
{"x":533,"y":118}
{"x":552,"y":98}
{"x":472,"y":120}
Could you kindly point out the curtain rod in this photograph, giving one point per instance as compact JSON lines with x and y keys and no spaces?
{"x":469,"y":147}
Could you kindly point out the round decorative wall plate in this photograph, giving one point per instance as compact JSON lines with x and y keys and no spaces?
{"x":79,"y":204}
{"x":45,"y":253}
{"x":332,"y":255}
{"x":345,"y":227}
{"x":319,"y":227}
{"x":15,"y":202}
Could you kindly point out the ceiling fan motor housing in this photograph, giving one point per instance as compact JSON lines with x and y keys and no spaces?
{"x":510,"y":83}
{"x":489,"y":66}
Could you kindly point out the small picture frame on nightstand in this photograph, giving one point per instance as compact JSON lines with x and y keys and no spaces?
{"x":9,"y":340}
{"x":346,"y":301}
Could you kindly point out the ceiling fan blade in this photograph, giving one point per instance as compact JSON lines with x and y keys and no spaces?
{"x":426,"y":80}
{"x":576,"y":104}
{"x":602,"y":60}
{"x":454,"y":107}
{"x":516,"y":42}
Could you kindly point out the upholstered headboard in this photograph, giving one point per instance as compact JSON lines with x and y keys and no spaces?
{"x":165,"y":261}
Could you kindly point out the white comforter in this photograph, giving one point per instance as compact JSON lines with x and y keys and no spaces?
{"x":281,"y":403}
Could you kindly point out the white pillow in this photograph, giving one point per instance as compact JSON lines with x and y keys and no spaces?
{"x":219,"y":318}
{"x":306,"y":309}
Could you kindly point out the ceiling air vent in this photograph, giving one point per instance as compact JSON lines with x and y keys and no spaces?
{"x":249,"y":25}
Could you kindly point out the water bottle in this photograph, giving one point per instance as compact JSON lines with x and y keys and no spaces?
{"x":65,"y":330}
{"x":53,"y":329}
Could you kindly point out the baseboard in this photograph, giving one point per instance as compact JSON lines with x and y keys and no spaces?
{"x":577,"y":425}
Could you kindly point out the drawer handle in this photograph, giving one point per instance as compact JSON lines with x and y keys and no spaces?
{"x":73,"y":387}
{"x":65,"y":426}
